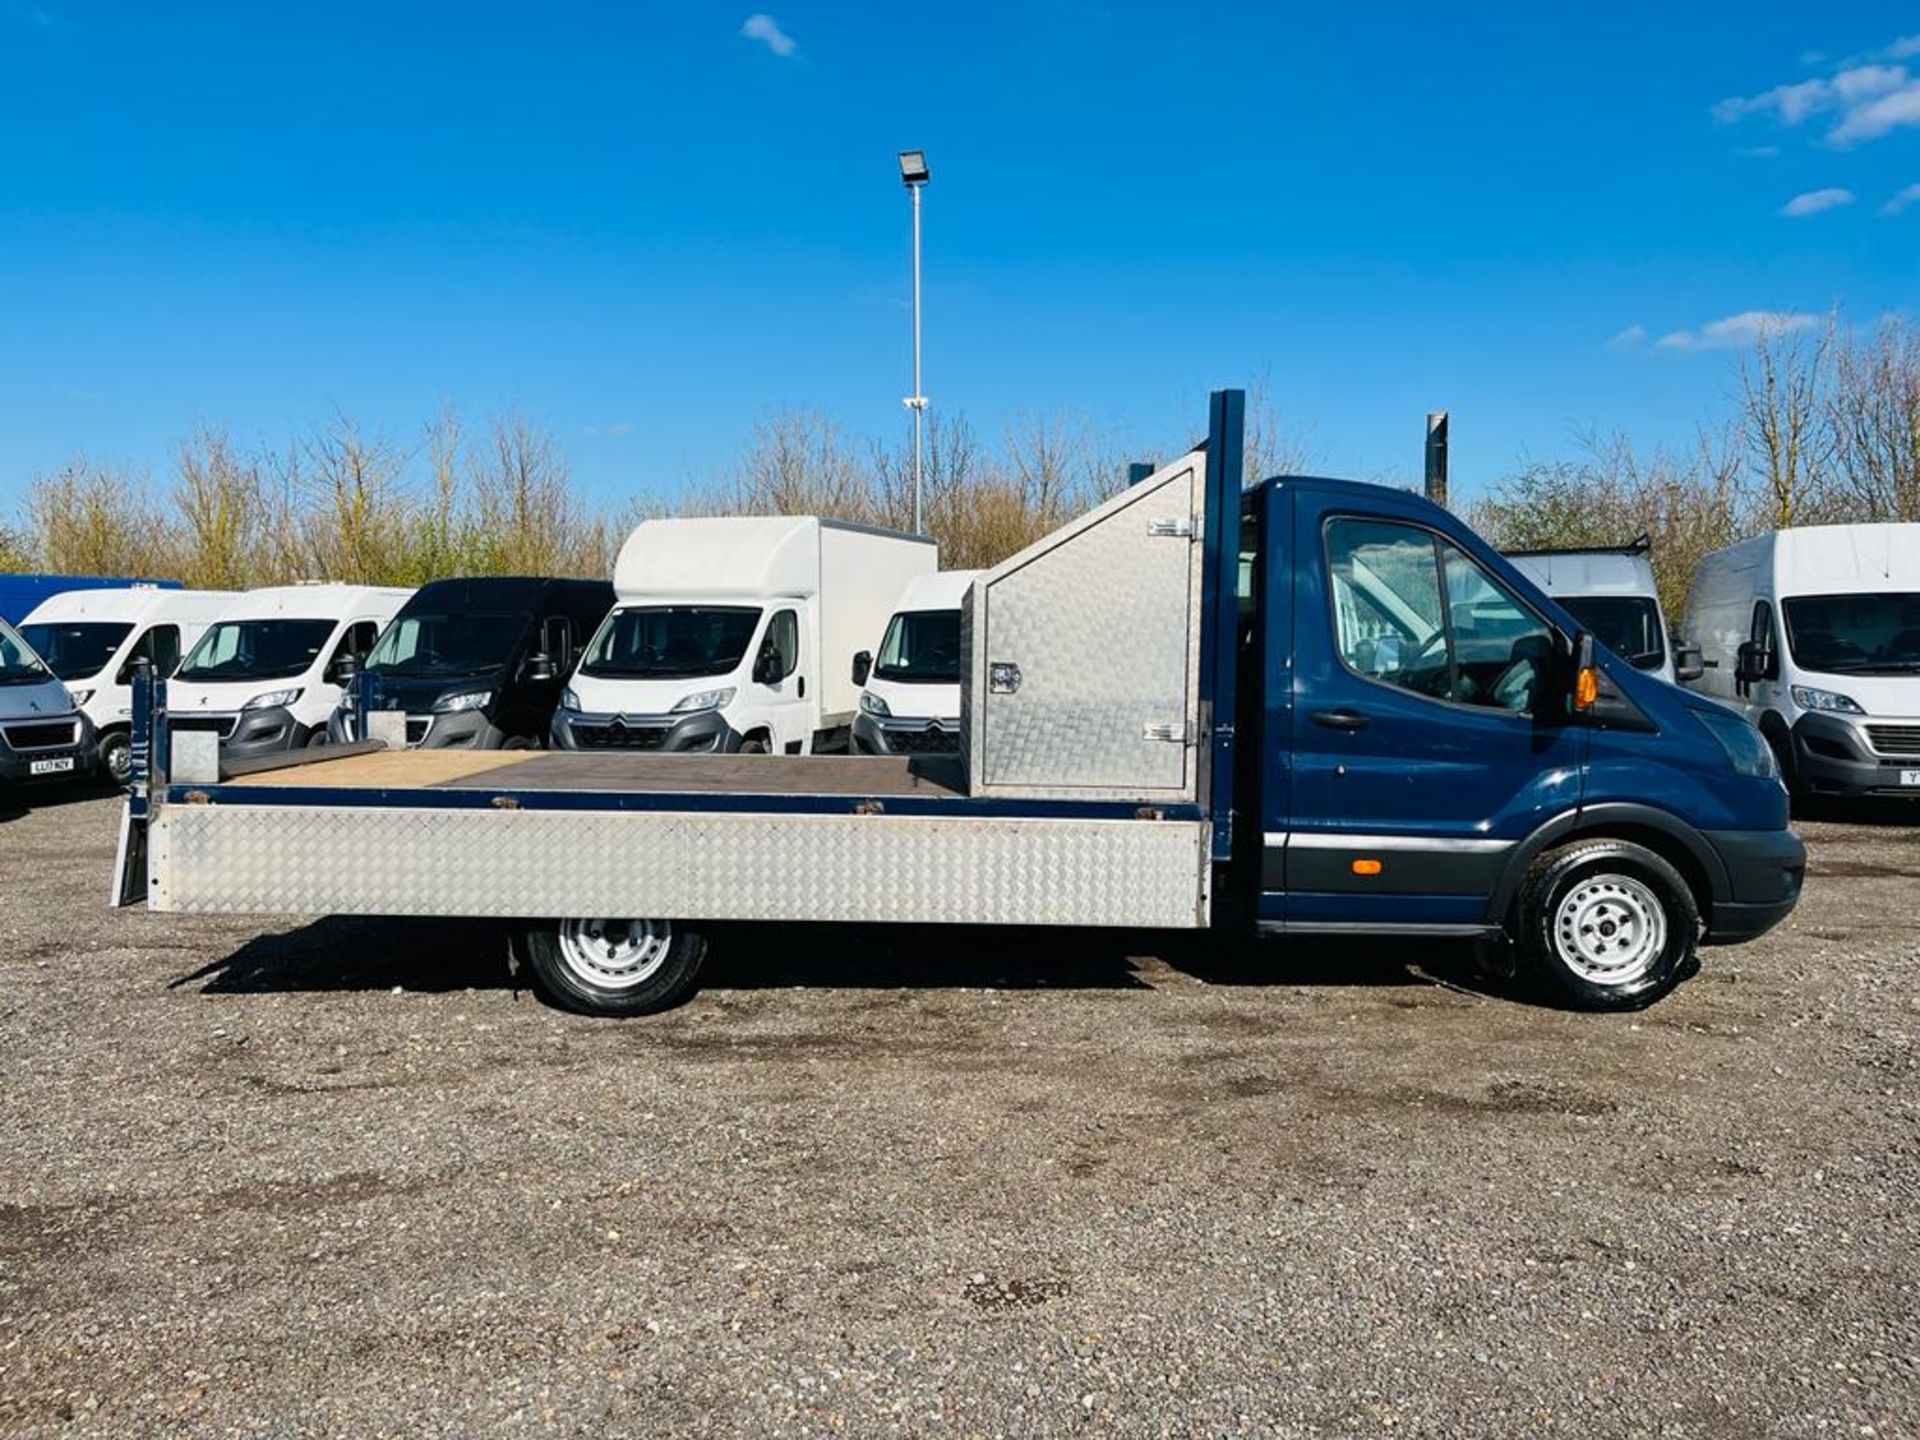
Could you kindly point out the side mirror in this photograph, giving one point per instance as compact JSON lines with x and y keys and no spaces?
{"x":1751,"y":664}
{"x":343,"y":669}
{"x":539,"y":669}
{"x":765,"y":664}
{"x":1689,"y":664}
{"x":862,"y":667}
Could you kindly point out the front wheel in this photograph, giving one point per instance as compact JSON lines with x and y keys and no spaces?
{"x":1606,"y":925}
{"x":613,"y":967}
{"x":116,"y":757}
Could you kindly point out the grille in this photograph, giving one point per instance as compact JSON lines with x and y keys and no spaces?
{"x":50,"y":735}
{"x":922,"y":742}
{"x":221,"y":725}
{"x":619,"y":737}
{"x":1895,"y":739}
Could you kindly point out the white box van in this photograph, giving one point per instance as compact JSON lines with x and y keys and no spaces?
{"x":43,"y":735}
{"x":1815,"y":633}
{"x":266,"y":675}
{"x":910,"y":693}
{"x":1611,"y":592}
{"x":737,"y":634}
{"x":92,"y":639}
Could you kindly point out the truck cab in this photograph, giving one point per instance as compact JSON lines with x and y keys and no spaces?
{"x":267,"y":674}
{"x":93,"y":639}
{"x":476,"y":664}
{"x":910,"y":692}
{"x":44,"y":736}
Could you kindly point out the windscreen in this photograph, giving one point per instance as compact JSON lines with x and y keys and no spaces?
{"x":1855,"y":634}
{"x":922,"y":647}
{"x":447,"y":645}
{"x":671,"y":642}
{"x":75,"y":649}
{"x":1628,"y":625}
{"x":256,"y":650}
{"x":18,"y":664}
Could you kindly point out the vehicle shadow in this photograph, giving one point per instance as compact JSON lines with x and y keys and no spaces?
{"x":359,"y":953}
{"x":21,"y":801}
{"x":1888,"y":813}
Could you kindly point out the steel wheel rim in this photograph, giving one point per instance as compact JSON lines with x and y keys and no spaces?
{"x":615,"y":954}
{"x":1610,"y":930}
{"x":120,"y":761}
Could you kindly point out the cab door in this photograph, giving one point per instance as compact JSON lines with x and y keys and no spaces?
{"x":779,"y":679}
{"x":1426,"y":728}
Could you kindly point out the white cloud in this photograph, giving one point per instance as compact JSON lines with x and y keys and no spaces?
{"x":1738,"y":331}
{"x":1628,"y":338}
{"x":617,"y":428}
{"x":1901,"y":200}
{"x":766,"y":30}
{"x":1814,"y":201}
{"x":1868,"y":96}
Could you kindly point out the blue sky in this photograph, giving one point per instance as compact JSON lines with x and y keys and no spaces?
{"x":645,"y":225}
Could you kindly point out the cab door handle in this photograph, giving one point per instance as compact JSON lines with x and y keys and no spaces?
{"x":1338,"y":719}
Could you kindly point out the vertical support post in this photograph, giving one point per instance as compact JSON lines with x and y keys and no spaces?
{"x":1436,"y":489}
{"x":1220,"y":605}
{"x":917,"y":402}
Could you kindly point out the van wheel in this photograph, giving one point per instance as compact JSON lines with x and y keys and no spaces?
{"x":116,"y":757}
{"x":1605,"y":925}
{"x":519,"y":742}
{"x":612,"y":967}
{"x":317,"y":739}
{"x":757,"y":745}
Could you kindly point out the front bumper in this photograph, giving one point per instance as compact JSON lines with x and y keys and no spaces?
{"x":43,"y":742}
{"x":1765,"y":869}
{"x":454,"y":730}
{"x":874,"y":736}
{"x":249,"y":734}
{"x":1834,"y":756}
{"x":703,"y":731}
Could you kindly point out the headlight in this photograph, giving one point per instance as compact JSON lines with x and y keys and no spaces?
{"x":569,"y":700}
{"x":706,"y":700}
{"x":1808,"y":698}
{"x":465,"y":700}
{"x":271,"y":698}
{"x":80,"y":697}
{"x":1747,"y":749}
{"x":873,"y":704}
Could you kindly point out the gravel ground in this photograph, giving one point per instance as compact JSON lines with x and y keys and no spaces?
{"x":346,"y":1178}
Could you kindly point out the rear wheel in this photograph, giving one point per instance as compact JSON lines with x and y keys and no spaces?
{"x":1606,"y":925}
{"x":613,"y":967}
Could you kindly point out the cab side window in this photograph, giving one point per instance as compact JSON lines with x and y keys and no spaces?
{"x":160,"y":647}
{"x":1413,"y":611}
{"x":1761,"y":633}
{"x":780,"y":651}
{"x":356,"y":642}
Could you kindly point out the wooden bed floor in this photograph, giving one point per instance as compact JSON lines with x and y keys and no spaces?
{"x":926,"y":777}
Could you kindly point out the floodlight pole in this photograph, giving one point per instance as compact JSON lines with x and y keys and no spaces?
{"x":917,"y":401}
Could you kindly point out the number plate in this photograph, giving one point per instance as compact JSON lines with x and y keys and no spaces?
{"x":65,"y":763}
{"x":1910,"y":777}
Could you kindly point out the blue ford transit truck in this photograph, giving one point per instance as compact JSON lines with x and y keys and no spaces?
{"x":1306,"y":707}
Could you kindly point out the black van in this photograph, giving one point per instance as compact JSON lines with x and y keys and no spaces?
{"x":479,"y":664}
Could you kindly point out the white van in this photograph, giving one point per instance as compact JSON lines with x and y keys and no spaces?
{"x":267,"y":673}
{"x":737,"y":634}
{"x":1815,"y":633}
{"x":910,"y":693}
{"x":43,"y":735}
{"x":1611,"y":592}
{"x":92,"y":639}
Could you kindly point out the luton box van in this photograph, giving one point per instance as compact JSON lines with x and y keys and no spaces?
{"x":1611,"y":591}
{"x":1815,"y":633}
{"x":267,"y":674}
{"x":92,"y":639}
{"x":1307,"y":707}
{"x":477,"y":664}
{"x":43,"y":735}
{"x":737,"y":634}
{"x":910,"y":694}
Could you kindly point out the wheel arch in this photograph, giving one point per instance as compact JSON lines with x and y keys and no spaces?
{"x":1665,"y":834}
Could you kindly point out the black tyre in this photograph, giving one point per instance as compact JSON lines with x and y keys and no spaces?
{"x":116,"y":757}
{"x":519,"y":742}
{"x":1605,"y":925}
{"x":612,"y":967}
{"x":756,"y":745}
{"x":317,"y":738}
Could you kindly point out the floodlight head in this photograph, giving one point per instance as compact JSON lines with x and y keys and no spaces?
{"x":913,"y":167}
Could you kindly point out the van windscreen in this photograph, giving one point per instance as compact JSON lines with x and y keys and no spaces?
{"x":75,"y":649}
{"x":671,"y":642}
{"x":1628,"y":625}
{"x":425,"y":644}
{"x":256,"y":650}
{"x":1873,"y":634}
{"x":921,"y":647}
{"x":18,"y":663}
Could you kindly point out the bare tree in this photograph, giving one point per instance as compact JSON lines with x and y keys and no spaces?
{"x":1783,"y":412}
{"x":358,"y":511}
{"x":16,"y":551}
{"x":90,"y":520}
{"x":1874,"y":413}
{"x":234,"y":531}
{"x":526,"y":519}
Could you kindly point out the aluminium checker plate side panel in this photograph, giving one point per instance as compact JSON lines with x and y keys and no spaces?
{"x":1100,"y":623}
{"x":679,"y":865}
